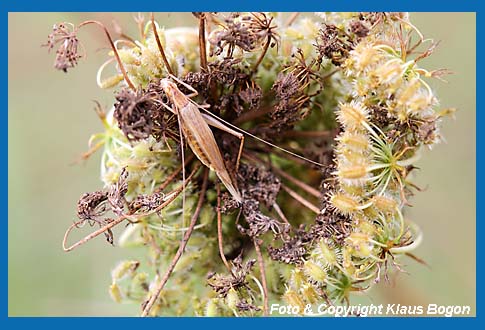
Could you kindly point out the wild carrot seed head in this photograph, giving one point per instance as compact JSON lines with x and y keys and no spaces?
{"x":353,"y":116}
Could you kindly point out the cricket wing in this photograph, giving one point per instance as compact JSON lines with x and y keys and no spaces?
{"x":202,"y":142}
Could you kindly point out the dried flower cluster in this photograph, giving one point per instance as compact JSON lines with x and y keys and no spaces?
{"x":344,"y":111}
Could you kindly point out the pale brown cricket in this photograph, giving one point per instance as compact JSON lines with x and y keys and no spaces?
{"x":194,"y":125}
{"x":195,"y":128}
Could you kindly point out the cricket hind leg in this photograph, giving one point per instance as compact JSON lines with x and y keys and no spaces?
{"x":183,"y":170}
{"x":217,"y":124}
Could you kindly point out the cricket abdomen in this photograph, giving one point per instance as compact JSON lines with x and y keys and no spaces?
{"x":202,"y":142}
{"x":196,"y":149}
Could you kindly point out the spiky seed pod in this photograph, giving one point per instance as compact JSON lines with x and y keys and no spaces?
{"x":325,"y":253}
{"x":353,"y":116}
{"x":347,"y":263}
{"x":232,"y":298}
{"x":407,"y":92}
{"x":309,"y":294}
{"x":353,"y":174}
{"x":314,"y":271}
{"x":361,"y":243}
{"x":123,"y":269}
{"x":293,"y":299}
{"x":362,"y":58}
{"x":355,"y":141}
{"x":349,"y":158}
{"x":384,"y":204}
{"x":365,"y":227}
{"x":389,"y":73}
{"x":297,"y":279}
{"x":344,"y":203}
{"x":139,"y":283}
{"x":115,"y":293}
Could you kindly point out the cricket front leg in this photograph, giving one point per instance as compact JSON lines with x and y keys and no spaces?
{"x":190,"y":88}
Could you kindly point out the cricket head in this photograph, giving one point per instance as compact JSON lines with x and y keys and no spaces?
{"x":178,"y":99}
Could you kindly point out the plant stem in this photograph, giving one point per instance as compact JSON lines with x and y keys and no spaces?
{"x":260,"y":59}
{"x":219,"y":230}
{"x":202,"y":44}
{"x":263,"y":277}
{"x":181,"y":248}
{"x":174,"y":194}
{"x":300,"y":199}
{"x":115,"y":51}
{"x":160,"y":48}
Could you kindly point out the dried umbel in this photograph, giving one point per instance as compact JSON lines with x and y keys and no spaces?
{"x":67,"y":55}
{"x":335,"y":110}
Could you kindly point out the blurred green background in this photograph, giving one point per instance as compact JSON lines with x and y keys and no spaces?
{"x":51,"y":118}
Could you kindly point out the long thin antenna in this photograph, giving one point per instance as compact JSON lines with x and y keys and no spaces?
{"x":260,"y":139}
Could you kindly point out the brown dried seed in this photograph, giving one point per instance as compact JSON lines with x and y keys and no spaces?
{"x":333,"y":43}
{"x":237,"y":280}
{"x":146,"y":203}
{"x":257,"y":221}
{"x":117,"y":192}
{"x":92,"y":205}
{"x":359,"y":29}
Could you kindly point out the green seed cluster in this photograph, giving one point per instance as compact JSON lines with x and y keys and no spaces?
{"x":383,"y":115}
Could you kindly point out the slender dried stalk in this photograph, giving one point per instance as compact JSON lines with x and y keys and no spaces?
{"x":140,"y":22}
{"x":120,"y":32}
{"x":298,"y":183}
{"x":263,"y":277}
{"x":174,"y":194}
{"x":160,"y":48}
{"x":181,"y":248}
{"x":115,"y":51}
{"x":309,"y":134}
{"x":90,"y":236}
{"x":251,"y":115}
{"x":300,"y":199}
{"x":263,"y":54}
{"x":281,"y":214}
{"x":292,"y":18}
{"x":174,"y":174}
{"x":219,"y":229}
{"x":202,"y":43}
